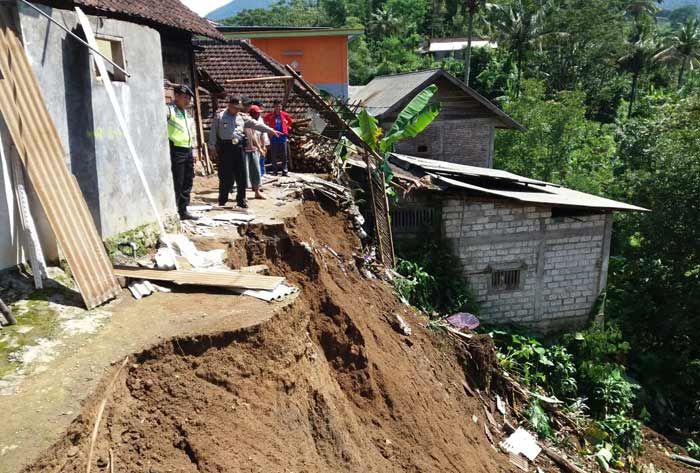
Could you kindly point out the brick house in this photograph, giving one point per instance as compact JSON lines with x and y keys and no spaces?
{"x":465,"y":131}
{"x":535,"y":254}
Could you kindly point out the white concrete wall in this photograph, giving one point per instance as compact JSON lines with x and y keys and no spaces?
{"x":563,"y":261}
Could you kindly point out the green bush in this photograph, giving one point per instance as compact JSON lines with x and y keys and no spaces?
{"x":624,"y":433}
{"x":433,"y":282}
{"x":607,"y":390}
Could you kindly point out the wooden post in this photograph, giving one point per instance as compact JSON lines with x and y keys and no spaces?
{"x":203,"y":150}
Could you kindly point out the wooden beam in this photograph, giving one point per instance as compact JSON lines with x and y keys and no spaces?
{"x":39,"y":147}
{"x":227,"y":279}
{"x":258,"y":79}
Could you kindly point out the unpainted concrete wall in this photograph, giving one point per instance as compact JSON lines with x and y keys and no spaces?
{"x":95,"y":146}
{"x":460,"y":141}
{"x":563,"y":260}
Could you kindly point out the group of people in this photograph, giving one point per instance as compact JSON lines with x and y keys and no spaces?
{"x":240,"y":139}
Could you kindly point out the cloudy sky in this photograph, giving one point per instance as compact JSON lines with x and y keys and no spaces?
{"x":204,"y":6}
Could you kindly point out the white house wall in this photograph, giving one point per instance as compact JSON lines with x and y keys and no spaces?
{"x":96,"y":150}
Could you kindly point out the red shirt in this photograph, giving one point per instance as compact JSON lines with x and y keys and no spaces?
{"x":286,"y":121}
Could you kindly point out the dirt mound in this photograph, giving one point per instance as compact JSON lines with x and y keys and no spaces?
{"x":327,"y":385}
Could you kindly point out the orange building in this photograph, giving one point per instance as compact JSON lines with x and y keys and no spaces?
{"x":320,"y":55}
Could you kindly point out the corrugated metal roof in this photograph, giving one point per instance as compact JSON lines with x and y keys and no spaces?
{"x":443,"y":167}
{"x":491,"y":182}
{"x":383,"y":92}
{"x":39,"y":147}
{"x":387,"y":94}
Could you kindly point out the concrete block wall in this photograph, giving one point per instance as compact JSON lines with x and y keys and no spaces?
{"x":562,"y":261}
{"x":464,"y":141}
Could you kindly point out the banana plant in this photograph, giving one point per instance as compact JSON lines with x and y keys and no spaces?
{"x":413,"y":119}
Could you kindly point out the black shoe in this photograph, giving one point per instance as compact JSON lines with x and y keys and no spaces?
{"x":188,"y":216}
{"x":243,"y":205}
{"x":275,"y":173}
{"x":285,"y":174}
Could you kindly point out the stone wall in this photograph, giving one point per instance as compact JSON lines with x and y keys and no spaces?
{"x":562,"y":261}
{"x":463,"y":141}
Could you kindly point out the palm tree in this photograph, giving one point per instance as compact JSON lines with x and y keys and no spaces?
{"x":684,"y":47}
{"x":384,"y":23}
{"x":518,"y":28}
{"x":472,"y":8}
{"x":640,"y":57}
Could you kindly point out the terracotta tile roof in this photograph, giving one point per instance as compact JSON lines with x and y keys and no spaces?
{"x":169,"y":13}
{"x":240,"y":60}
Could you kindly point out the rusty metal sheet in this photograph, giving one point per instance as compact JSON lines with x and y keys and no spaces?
{"x":39,"y":147}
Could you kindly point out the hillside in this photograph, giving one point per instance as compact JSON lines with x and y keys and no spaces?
{"x":673,"y":4}
{"x":236,"y":6}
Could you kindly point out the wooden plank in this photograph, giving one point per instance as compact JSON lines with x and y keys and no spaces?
{"x":229,"y":279}
{"x":39,"y":147}
{"x":258,"y":79}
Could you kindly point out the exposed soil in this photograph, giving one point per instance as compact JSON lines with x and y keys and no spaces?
{"x":328,"y":385}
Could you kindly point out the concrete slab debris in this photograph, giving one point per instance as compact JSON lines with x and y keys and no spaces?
{"x":522,"y":441}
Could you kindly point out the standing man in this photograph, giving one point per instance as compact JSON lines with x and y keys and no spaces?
{"x":182,"y":139}
{"x":281,"y":121}
{"x":264,"y":137}
{"x":253,"y":149}
{"x":227,"y":143}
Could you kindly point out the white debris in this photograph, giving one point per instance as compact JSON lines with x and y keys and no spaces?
{"x":500,"y":405}
{"x":165,"y":258}
{"x":43,"y":352}
{"x":199,"y":208}
{"x":198,"y":259}
{"x":522,"y":441}
{"x":235,"y":217}
{"x":405,"y":329}
{"x":279,"y":293}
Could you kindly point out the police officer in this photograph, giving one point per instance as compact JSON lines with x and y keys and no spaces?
{"x":226,"y":144}
{"x":182,"y":139}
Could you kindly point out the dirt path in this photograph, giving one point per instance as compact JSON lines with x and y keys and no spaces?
{"x":47,"y":402}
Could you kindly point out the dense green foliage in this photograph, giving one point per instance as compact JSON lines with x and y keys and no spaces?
{"x":610,"y":99}
{"x":431,"y":280}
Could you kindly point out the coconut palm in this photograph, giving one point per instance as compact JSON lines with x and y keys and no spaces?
{"x":639,"y":58}
{"x":472,"y":7}
{"x":684,"y":48}
{"x":518,"y":27}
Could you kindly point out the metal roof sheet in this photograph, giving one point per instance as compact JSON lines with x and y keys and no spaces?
{"x":522,"y":189}
{"x":386,"y":94}
{"x":462,"y":169}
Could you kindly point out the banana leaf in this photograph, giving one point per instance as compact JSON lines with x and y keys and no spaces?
{"x":368,"y":129}
{"x":413,"y":119}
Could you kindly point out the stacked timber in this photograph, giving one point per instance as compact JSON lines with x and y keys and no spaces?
{"x":310,"y":151}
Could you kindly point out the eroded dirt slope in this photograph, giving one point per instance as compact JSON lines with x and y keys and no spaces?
{"x":328,"y":385}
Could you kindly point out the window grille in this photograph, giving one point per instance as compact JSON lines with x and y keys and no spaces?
{"x":413,"y":218}
{"x":508,"y":280}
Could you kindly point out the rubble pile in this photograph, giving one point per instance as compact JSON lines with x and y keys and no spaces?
{"x":311,"y":152}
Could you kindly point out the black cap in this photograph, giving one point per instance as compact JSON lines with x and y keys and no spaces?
{"x":184,"y":90}
{"x":235,"y":100}
{"x":246,"y":100}
{"x":259,"y":103}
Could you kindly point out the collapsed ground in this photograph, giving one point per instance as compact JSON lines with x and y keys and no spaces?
{"x":328,"y":384}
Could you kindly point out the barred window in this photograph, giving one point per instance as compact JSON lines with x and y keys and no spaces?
{"x":508,"y":280}
{"x":410,"y":219}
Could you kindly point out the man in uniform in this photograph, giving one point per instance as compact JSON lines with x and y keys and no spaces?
{"x":182,"y":139}
{"x":226,"y":144}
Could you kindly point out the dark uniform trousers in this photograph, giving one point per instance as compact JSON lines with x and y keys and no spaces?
{"x":182,"y":166}
{"x":232,"y":165}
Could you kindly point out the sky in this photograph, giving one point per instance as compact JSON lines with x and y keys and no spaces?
{"x":204,"y":6}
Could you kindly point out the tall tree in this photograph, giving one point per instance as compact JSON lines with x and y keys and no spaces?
{"x":684,"y":47}
{"x":639,"y":58}
{"x":518,"y":26}
{"x":472,"y":7}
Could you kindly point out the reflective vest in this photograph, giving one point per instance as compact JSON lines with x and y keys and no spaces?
{"x":180,"y":127}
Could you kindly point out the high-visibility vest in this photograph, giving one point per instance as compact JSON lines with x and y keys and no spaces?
{"x":180,"y":127}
